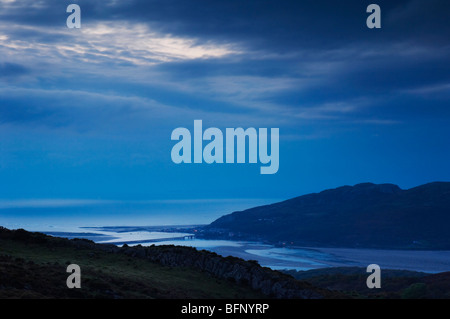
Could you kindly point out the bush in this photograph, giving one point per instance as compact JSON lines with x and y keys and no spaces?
{"x":415,"y":291}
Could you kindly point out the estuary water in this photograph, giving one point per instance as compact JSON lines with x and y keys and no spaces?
{"x":298,"y":258}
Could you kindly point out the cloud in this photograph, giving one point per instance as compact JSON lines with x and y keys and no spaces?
{"x":108,"y":42}
{"x":138,"y":44}
{"x":430,"y":90}
{"x":51,"y":203}
{"x":104,"y":113}
{"x":8,"y":70}
{"x":147,"y":60}
{"x":74,"y":108}
{"x":74,"y":202}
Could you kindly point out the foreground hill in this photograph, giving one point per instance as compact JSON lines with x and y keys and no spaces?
{"x":33,"y":265}
{"x":365,"y":215}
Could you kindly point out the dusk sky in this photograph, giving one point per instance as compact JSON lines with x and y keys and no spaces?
{"x":87,"y":114}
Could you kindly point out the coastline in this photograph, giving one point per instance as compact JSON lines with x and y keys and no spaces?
{"x":271,"y":256}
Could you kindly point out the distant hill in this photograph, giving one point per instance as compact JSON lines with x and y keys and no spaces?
{"x":365,"y":215}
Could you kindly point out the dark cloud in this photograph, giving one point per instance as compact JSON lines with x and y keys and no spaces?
{"x":323,"y":48}
{"x":246,"y":65}
{"x":8,"y":70}
{"x":282,"y":26}
{"x":278,"y":25}
{"x":30,"y":111}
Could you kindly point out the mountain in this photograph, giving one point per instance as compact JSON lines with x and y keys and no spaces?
{"x":364,"y":215}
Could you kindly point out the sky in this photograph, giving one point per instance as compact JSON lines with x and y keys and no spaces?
{"x":86,"y":115}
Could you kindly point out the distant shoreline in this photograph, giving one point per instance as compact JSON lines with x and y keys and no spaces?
{"x":273,"y":256}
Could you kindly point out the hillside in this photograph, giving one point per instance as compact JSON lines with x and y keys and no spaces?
{"x":396,"y":284}
{"x":365,"y":215}
{"x":33,"y":265}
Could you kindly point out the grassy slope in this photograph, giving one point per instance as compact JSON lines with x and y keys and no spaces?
{"x":395,"y":284}
{"x":32,"y":270}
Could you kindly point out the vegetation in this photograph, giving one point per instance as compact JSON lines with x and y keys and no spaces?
{"x":396,"y":284}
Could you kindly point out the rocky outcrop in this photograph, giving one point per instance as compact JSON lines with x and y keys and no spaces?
{"x":271,"y":283}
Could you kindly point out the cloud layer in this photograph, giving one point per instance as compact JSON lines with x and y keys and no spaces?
{"x":112,"y":91}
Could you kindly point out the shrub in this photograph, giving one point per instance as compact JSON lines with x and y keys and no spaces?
{"x":415,"y":291}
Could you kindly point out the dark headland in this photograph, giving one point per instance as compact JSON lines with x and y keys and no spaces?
{"x":362,"y":216}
